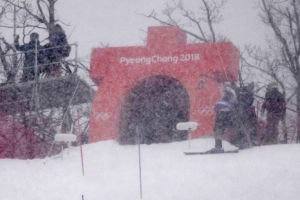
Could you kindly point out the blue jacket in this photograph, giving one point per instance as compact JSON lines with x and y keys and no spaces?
{"x":29,"y":51}
{"x":224,"y":113}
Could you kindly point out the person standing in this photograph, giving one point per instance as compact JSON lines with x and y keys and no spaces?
{"x":57,"y":49}
{"x":59,"y":42}
{"x":275,"y":105}
{"x":30,"y":56}
{"x":245,"y":122}
{"x":224,"y":109}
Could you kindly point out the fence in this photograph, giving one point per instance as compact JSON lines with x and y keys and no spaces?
{"x":15,"y":68}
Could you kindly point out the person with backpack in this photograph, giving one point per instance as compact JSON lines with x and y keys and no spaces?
{"x":275,"y":105}
{"x":246,"y":119}
{"x":59,"y":41}
{"x":57,"y":49}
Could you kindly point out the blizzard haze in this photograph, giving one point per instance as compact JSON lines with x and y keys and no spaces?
{"x":111,"y":171}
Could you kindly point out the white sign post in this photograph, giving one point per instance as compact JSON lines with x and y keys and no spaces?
{"x":187,"y":126}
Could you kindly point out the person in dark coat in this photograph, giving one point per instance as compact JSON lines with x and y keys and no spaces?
{"x":245,"y":122}
{"x":59,"y":41}
{"x":275,"y":105}
{"x":224,"y":109}
{"x":30,"y":56}
{"x":57,"y":49}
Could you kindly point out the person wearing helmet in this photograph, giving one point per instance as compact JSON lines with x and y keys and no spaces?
{"x":224,"y":110}
{"x":275,"y":105}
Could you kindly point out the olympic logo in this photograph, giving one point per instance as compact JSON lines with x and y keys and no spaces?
{"x":102,"y":116}
{"x":206,"y":110}
{"x":201,"y":85}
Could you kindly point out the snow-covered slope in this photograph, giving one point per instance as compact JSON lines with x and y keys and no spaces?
{"x":111,"y":172}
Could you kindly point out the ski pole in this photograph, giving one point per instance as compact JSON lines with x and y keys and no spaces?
{"x":80,"y":142}
{"x":189,"y":132}
{"x":140,"y":167}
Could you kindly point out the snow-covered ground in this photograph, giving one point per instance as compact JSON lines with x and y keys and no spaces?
{"x":111,"y":172}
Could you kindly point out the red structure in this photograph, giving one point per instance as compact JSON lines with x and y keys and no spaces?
{"x":22,"y":128}
{"x":18,"y":142}
{"x":129,"y":78}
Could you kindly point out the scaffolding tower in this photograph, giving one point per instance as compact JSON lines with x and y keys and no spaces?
{"x":31,"y":97}
{"x":44,"y":94}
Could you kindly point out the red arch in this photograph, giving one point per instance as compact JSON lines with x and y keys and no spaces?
{"x":118,"y":69}
{"x":155,"y":106}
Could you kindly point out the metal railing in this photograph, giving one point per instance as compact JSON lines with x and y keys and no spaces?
{"x":37,"y":65}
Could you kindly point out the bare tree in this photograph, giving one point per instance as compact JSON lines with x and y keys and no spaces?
{"x":198,"y":24}
{"x":32,"y":15}
{"x":281,"y":60}
{"x":38,"y":14}
{"x":4,"y":47}
{"x":3,"y":9}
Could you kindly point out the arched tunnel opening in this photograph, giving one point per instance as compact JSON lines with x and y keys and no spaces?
{"x":151,"y":111}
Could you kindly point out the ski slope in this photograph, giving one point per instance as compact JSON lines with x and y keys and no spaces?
{"x":111,"y":172}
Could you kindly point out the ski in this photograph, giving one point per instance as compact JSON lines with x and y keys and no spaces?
{"x":208,"y":152}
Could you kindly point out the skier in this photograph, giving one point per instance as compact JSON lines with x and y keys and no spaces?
{"x":275,"y":105}
{"x":30,"y":56}
{"x":224,"y":112}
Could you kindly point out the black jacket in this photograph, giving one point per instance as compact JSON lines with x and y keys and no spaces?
{"x":274,"y":101}
{"x":29,"y":51}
